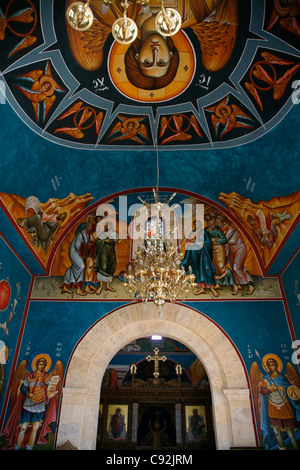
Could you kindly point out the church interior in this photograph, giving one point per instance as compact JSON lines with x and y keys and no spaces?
{"x":149,"y":225}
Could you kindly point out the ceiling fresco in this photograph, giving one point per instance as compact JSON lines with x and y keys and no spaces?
{"x":233,"y":73}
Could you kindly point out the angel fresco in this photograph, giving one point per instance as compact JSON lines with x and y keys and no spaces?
{"x":265,"y":228}
{"x":84,"y":117}
{"x":267,"y":222}
{"x":26,"y":17}
{"x":286,"y":13}
{"x":225,"y":117}
{"x":175,"y":125}
{"x":263,"y":76}
{"x":276,"y":398}
{"x":42,"y":223}
{"x":34,"y":401}
{"x":152,"y":60}
{"x":40,"y":87}
{"x":131,"y":128}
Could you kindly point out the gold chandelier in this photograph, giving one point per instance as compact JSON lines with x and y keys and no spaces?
{"x":157,"y":274}
{"x":124,"y":30}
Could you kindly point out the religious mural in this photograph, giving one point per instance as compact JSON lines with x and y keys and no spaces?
{"x":232,"y":71}
{"x":265,"y":221}
{"x":14,"y":284}
{"x":86,"y":247}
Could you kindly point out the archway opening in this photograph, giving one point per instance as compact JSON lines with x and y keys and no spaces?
{"x":155,"y":395}
{"x":232,"y":411}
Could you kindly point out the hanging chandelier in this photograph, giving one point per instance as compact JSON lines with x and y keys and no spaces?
{"x":124,"y":30}
{"x":157,"y":274}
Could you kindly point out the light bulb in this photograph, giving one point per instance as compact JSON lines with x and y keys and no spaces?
{"x":80,"y":16}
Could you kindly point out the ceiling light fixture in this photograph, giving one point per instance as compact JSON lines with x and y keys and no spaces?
{"x":157,"y":274}
{"x":80,"y":16}
{"x":124,"y":30}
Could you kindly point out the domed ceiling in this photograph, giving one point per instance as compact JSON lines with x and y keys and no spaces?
{"x":232,"y":70}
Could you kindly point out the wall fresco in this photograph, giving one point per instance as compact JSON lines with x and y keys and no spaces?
{"x":56,"y":229}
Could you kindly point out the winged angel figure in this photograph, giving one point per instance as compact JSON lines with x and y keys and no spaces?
{"x":276,"y":398}
{"x":152,"y":60}
{"x":33,"y":403}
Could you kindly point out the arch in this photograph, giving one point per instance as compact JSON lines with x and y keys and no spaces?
{"x":232,"y":411}
{"x":67,"y":230}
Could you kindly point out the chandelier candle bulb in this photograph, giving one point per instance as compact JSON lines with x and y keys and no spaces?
{"x":80,"y":16}
{"x":124,"y":30}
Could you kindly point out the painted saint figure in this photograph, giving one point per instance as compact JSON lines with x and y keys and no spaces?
{"x":34,"y":401}
{"x":117,"y":426}
{"x":75,"y":274}
{"x":199,"y":255}
{"x":105,"y":263}
{"x":223,"y":275}
{"x":196,"y":429}
{"x":236,"y":253}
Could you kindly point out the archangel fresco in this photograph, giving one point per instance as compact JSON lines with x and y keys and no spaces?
{"x":34,"y":402}
{"x":230,"y":71}
{"x":276,"y":397}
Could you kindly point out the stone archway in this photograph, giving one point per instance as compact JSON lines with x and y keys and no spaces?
{"x":232,"y":411}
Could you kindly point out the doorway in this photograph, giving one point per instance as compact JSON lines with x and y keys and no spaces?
{"x":156,"y":430}
{"x":157,"y":392}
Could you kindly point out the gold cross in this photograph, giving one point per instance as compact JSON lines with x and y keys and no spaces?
{"x":156,"y":358}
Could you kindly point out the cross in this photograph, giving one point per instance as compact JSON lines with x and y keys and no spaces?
{"x":156,"y":358}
